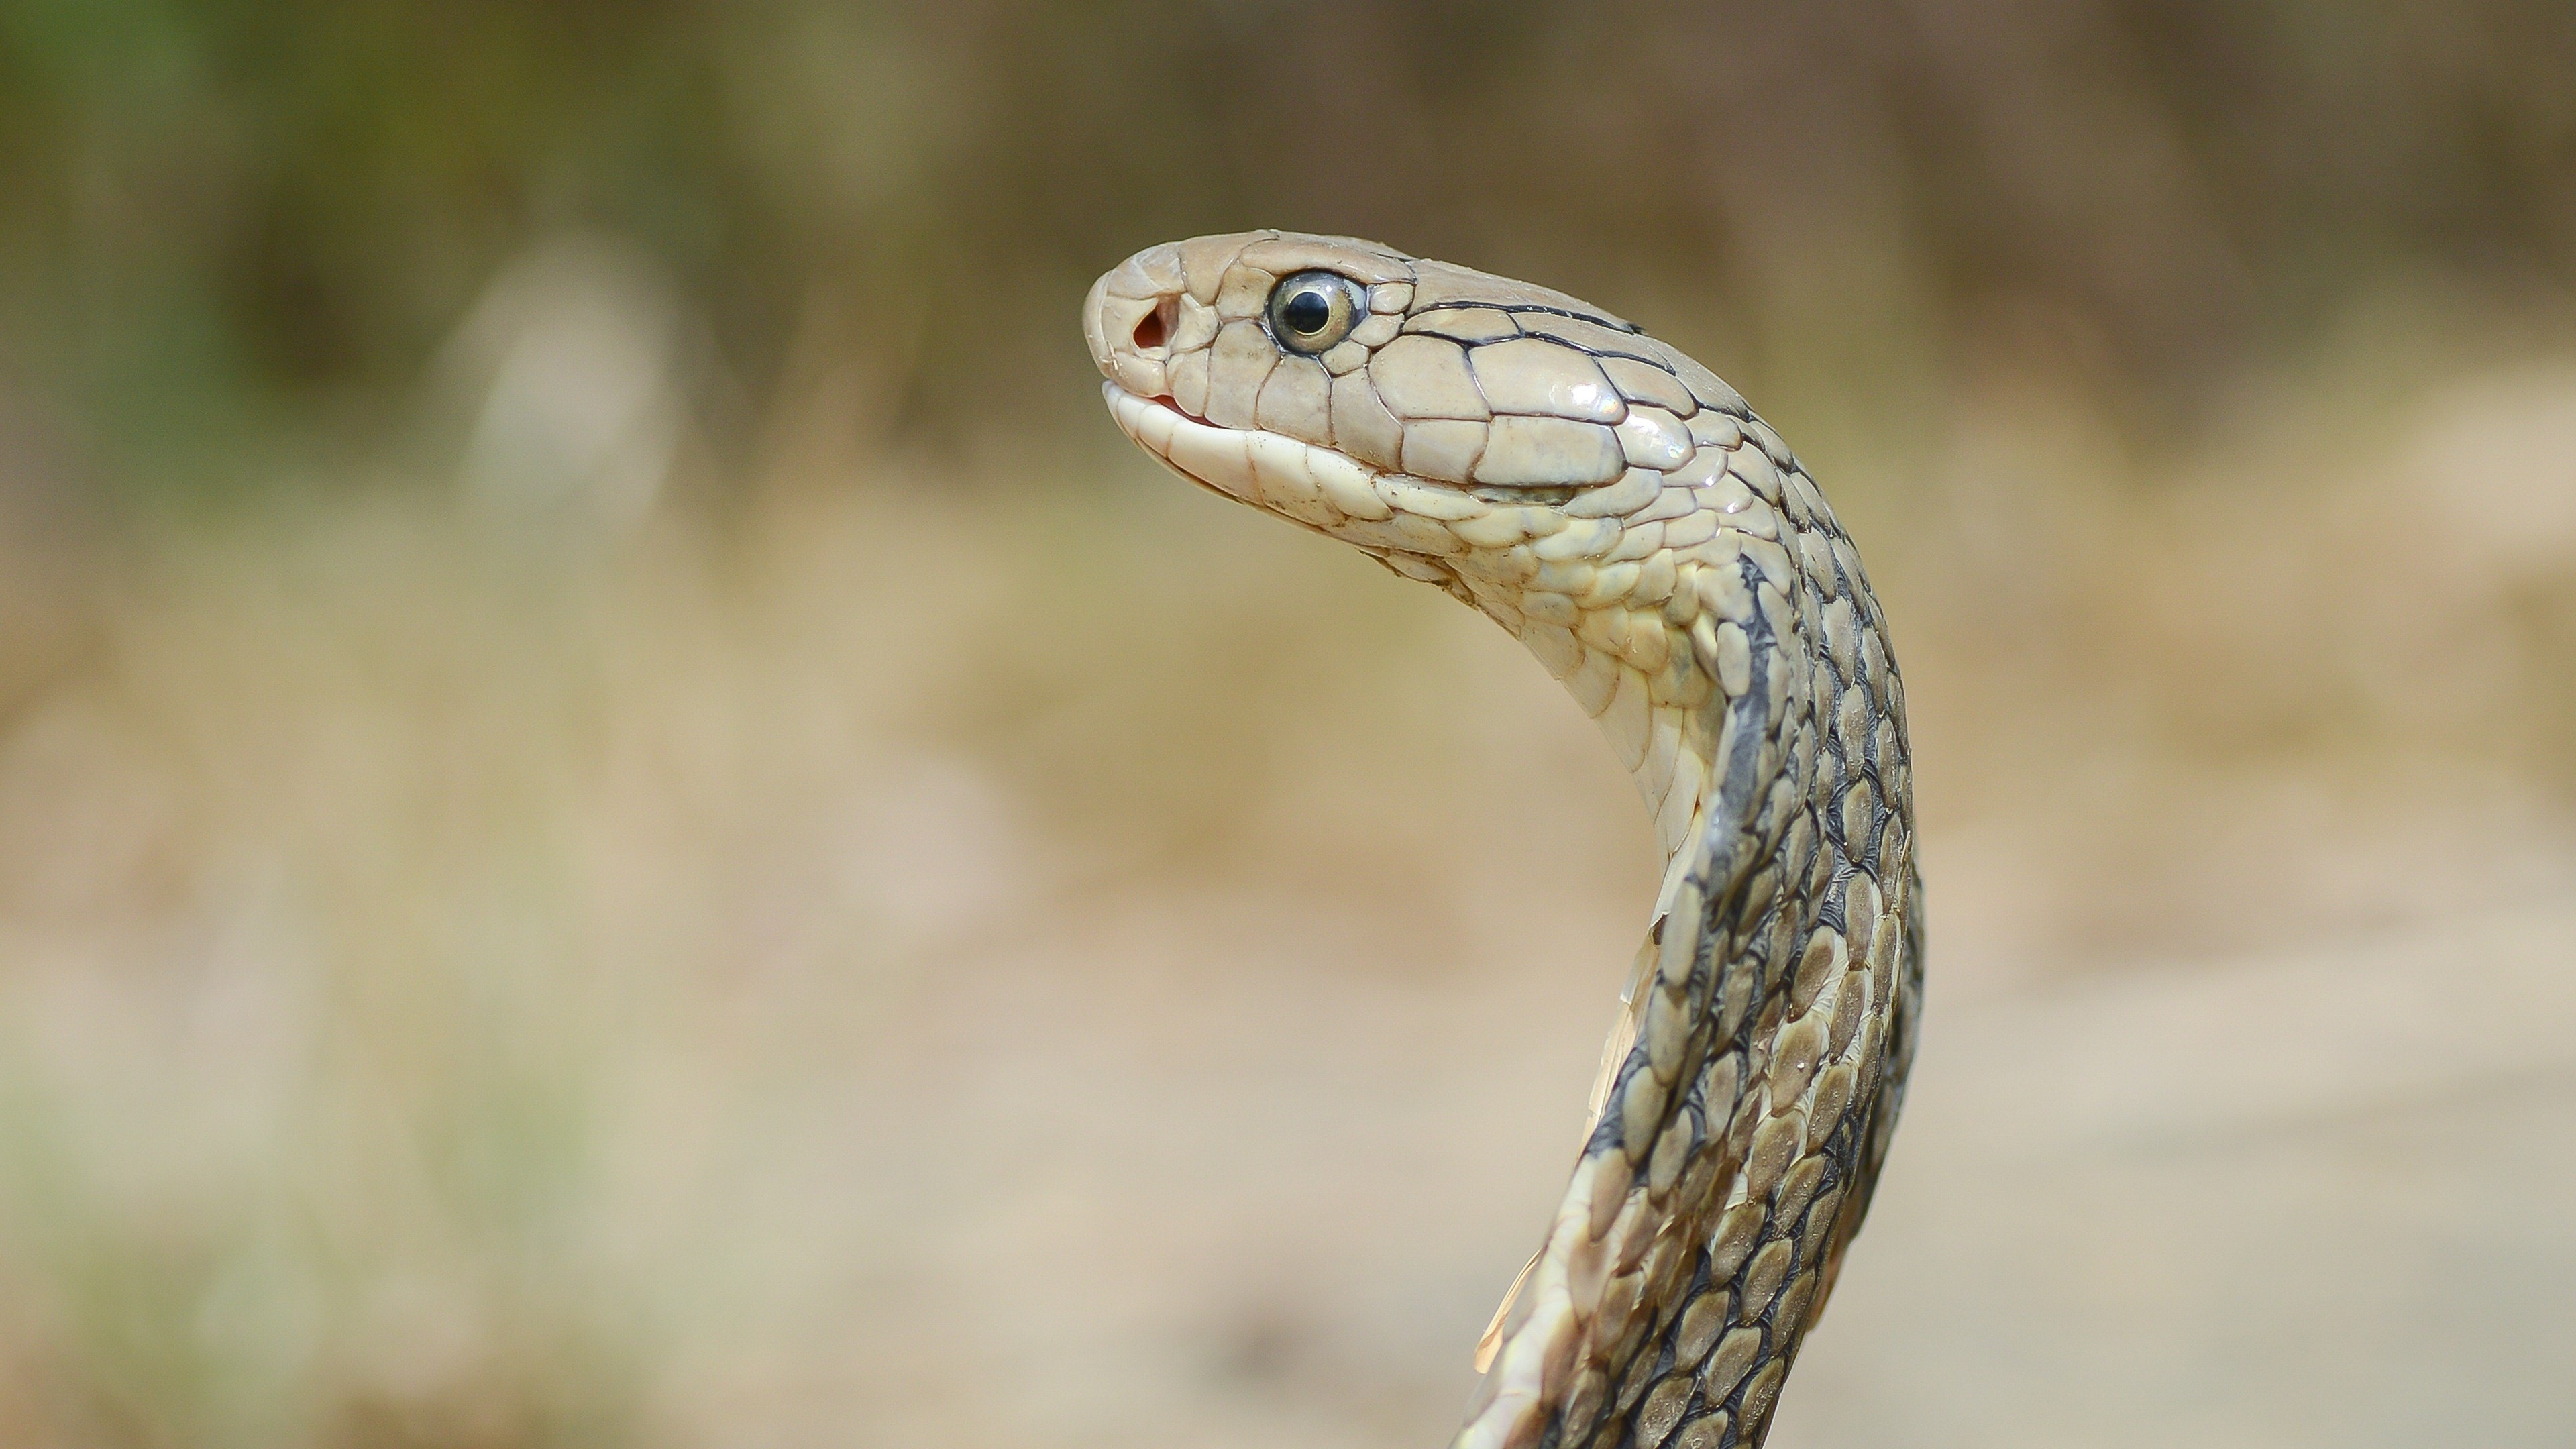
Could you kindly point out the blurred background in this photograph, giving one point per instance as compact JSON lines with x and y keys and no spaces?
{"x":625,"y":820}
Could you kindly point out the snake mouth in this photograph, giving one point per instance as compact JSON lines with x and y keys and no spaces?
{"x":1270,"y":471}
{"x":1166,"y":400}
{"x":1162,"y":427}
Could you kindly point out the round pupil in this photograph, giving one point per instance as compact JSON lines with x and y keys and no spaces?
{"x":1306,"y":313}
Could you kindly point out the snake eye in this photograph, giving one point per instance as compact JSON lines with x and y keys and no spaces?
{"x":1311,"y":311}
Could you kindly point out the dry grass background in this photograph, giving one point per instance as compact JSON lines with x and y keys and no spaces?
{"x":591,"y":854}
{"x":903,"y":961}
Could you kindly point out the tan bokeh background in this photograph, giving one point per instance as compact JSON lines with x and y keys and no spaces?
{"x":624,"y":820}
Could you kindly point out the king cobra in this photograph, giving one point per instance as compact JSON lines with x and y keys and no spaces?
{"x":1625,"y":515}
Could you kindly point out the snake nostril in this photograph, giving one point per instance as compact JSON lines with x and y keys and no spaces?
{"x":1154,"y":329}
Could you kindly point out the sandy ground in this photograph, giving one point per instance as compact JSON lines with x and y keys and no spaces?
{"x":1206,"y":1183}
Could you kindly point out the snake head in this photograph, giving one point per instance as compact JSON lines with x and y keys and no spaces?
{"x":1408,"y":368}
{"x":1603,"y":497}
{"x":1432,"y":415}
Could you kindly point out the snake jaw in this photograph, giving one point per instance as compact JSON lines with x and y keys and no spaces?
{"x":1617,"y":508}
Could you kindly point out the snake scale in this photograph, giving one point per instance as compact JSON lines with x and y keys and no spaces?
{"x":1622,"y":513}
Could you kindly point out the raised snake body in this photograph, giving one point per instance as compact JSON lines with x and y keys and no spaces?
{"x":1625,"y":515}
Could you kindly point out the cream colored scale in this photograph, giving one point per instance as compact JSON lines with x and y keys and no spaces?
{"x":1625,"y":515}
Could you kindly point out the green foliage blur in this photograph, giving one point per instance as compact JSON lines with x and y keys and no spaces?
{"x":235,"y":228}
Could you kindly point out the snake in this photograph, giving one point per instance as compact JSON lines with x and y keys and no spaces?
{"x":1621,"y":511}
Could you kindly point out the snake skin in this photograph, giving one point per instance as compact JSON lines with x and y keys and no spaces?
{"x":1624,"y":514}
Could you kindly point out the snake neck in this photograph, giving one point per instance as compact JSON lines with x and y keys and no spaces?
{"x":1649,"y":680}
{"x":1669,"y":751}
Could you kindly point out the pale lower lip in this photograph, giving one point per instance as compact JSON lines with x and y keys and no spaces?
{"x":1112,"y":391}
{"x":1212,"y":457}
{"x":1151,"y":421}
{"x":1278,"y":473}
